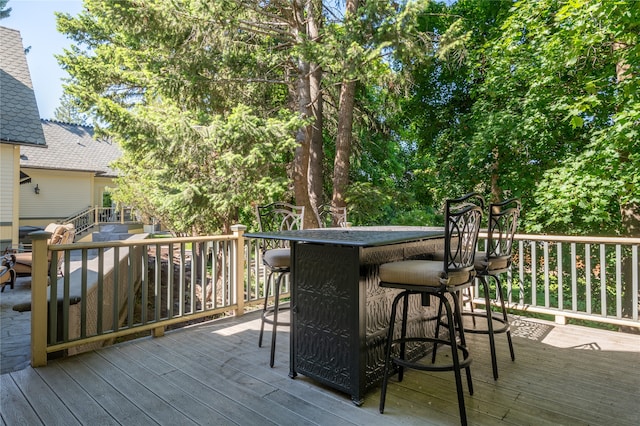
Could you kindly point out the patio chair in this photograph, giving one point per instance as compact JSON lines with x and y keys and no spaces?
{"x":329,"y":216}
{"x":276,"y":257}
{"x":444,"y":279}
{"x":7,"y":273}
{"x":491,"y":264}
{"x":60,"y":234}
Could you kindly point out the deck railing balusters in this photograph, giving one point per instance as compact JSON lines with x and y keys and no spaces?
{"x":574,"y":278}
{"x":603,"y":280}
{"x":613,"y":261}
{"x":119,"y":297}
{"x":634,"y":281}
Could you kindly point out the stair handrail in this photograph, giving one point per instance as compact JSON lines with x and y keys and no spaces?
{"x":82,"y":220}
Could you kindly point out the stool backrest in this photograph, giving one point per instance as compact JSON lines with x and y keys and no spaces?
{"x":329,"y":216}
{"x":278,"y":216}
{"x":462,"y":224}
{"x":503,"y":222}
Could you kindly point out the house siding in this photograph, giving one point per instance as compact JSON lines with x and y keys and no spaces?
{"x":64,"y":193}
{"x":9,"y":167}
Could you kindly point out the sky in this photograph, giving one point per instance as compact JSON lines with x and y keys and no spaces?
{"x":37,"y":25}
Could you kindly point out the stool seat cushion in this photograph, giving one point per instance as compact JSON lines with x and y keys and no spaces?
{"x":480,"y":261}
{"x":278,"y":258}
{"x":495,"y":263}
{"x":421,"y":273}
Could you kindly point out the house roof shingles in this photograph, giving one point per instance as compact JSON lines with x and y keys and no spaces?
{"x":19,"y":116}
{"x":71,"y":147}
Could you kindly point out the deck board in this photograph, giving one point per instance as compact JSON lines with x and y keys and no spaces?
{"x":164,"y":389}
{"x":15,"y":407}
{"x":214,"y":373}
{"x":200,"y":400}
{"x":43,"y":398}
{"x":120,"y":408}
{"x":81,"y":404}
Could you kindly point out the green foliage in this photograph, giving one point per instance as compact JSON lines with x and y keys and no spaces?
{"x":203,"y":175}
{"x":524,"y":100}
{"x":70,"y":112}
{"x":603,"y":176}
{"x":181,"y":87}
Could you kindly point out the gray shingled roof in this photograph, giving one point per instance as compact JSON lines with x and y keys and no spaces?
{"x":71,"y":147}
{"x":19,"y":116}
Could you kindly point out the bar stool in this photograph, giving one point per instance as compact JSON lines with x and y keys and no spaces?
{"x":329,"y":216}
{"x":443,"y":279}
{"x":491,"y":264}
{"x":276,"y":257}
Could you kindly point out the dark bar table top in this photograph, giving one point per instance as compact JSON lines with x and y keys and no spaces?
{"x":365,"y":236}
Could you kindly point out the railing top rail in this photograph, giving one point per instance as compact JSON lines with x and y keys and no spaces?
{"x":141,"y":241}
{"x":483,"y":234}
{"x":578,"y":239}
{"x":78,"y":215}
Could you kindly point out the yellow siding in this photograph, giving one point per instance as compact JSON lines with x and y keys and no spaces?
{"x":62,"y":194}
{"x":9,"y":180}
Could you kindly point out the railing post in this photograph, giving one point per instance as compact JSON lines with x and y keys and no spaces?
{"x":39,"y":305}
{"x":560,"y":319}
{"x":238,"y":232}
{"x":96,"y":215}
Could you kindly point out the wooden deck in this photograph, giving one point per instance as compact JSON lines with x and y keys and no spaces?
{"x":214,"y":373}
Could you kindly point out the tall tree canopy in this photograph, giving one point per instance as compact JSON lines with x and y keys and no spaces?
{"x":181,"y":85}
{"x":528,"y":100}
{"x":69,"y":112}
{"x":198,"y":61}
{"x":388,"y":107}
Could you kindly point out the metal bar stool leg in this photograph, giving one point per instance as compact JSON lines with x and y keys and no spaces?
{"x":387,"y":357}
{"x":469,"y":294}
{"x":265,"y":307}
{"x":492,"y":341}
{"x":403,"y":334}
{"x":505,"y":317}
{"x":455,"y":357}
{"x":276,"y":307}
{"x":437,"y":332}
{"x":463,"y":341}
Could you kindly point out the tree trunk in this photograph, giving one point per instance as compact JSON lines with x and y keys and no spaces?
{"x":496,"y":191}
{"x":343,"y":144}
{"x":630,"y":212}
{"x":345,"y":127}
{"x":631,"y":219}
{"x":316,"y":152}
{"x":630,"y":216}
{"x":303,"y":137}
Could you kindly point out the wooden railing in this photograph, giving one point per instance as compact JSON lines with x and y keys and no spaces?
{"x":92,"y":216}
{"x":114,"y":289}
{"x":588,"y":278}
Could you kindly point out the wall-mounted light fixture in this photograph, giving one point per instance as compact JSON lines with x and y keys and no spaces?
{"x":36,"y":189}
